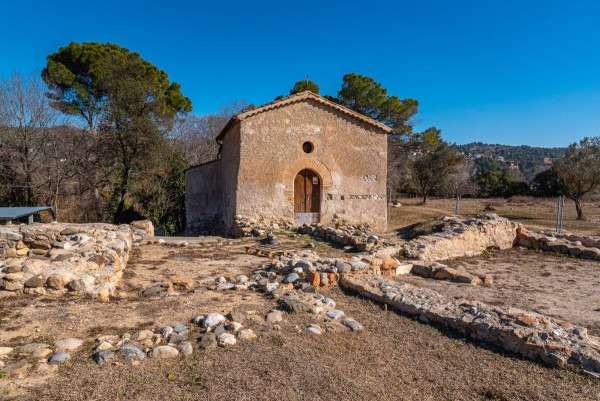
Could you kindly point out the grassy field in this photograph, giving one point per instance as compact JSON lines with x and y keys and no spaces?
{"x":534,"y":213}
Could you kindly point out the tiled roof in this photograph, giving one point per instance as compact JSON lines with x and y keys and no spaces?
{"x":296,"y":98}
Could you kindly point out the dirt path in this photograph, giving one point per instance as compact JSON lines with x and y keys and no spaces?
{"x":561,"y":287}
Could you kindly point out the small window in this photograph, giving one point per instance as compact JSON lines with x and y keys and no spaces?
{"x":308,"y":147}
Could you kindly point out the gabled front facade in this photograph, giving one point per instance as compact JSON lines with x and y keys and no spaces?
{"x":303,"y":159}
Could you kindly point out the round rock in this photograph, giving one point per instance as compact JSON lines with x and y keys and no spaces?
{"x":164,"y":352}
{"x":334,"y":314}
{"x":329,"y":302}
{"x":103,"y":356}
{"x":212,"y":319}
{"x":226,"y":340}
{"x":290,"y":278}
{"x":59,"y":357}
{"x":180,"y":328}
{"x":274,"y":316}
{"x":68,"y":344}
{"x":185,"y":348}
{"x":131,"y":353}
{"x":246,"y":335}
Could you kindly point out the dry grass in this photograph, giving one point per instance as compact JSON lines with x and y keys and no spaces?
{"x":534,"y":213}
{"x":395,"y":358}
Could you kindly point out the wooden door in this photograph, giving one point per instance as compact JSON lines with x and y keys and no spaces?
{"x":307,"y":195}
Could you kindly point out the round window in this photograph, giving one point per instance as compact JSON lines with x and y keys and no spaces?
{"x":308,"y":147}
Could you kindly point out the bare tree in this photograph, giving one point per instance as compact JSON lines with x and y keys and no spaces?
{"x":579,"y":170}
{"x":194,"y":136}
{"x":28,"y":119}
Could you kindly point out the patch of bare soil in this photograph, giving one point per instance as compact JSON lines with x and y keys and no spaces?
{"x":558,"y":286}
{"x":395,"y":357}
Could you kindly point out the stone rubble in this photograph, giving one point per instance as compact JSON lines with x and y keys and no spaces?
{"x":359,"y":237}
{"x":584,"y":247}
{"x":463,"y":237}
{"x":251,"y":227}
{"x":529,"y":334}
{"x":58,"y":258}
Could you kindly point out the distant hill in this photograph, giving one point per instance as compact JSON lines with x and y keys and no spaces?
{"x":523,"y":161}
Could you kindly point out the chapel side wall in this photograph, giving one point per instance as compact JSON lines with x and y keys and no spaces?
{"x":203,"y":197}
{"x":230,"y":156}
{"x":354,"y":152}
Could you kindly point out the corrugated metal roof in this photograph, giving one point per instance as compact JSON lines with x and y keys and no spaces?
{"x":15,"y":212}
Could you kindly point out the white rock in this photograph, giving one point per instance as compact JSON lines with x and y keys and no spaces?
{"x":334,"y":314}
{"x":212,"y":319}
{"x":226,"y":339}
{"x":165,"y":331}
{"x":103,"y":346}
{"x":5,"y":350}
{"x":358,"y":265}
{"x":329,"y":302}
{"x":68,"y":344}
{"x":270,"y":287}
{"x":404,"y":268}
{"x":313,"y":330}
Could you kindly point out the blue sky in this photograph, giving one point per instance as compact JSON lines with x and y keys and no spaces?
{"x":510,"y":72}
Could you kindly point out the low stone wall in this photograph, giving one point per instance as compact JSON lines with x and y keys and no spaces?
{"x":458,"y":274}
{"x":461,"y":237}
{"x":584,"y":247}
{"x":529,"y":334}
{"x":58,"y":258}
{"x":359,"y":237}
{"x":244,"y":227}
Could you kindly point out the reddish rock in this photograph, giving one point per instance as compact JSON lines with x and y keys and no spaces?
{"x":526,"y":321}
{"x":511,"y":333}
{"x":185,"y":282}
{"x":388,"y":263}
{"x":486,"y":278}
{"x":99,"y":260}
{"x":533,"y":346}
{"x":314,"y":278}
{"x":566,"y":350}
{"x":565,"y":325}
{"x":332,"y":278}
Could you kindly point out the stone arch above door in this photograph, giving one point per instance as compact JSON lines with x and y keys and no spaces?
{"x":304,"y":163}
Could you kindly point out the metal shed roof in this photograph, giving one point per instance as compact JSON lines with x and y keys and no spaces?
{"x":15,"y":212}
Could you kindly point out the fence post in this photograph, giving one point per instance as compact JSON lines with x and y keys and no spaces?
{"x":562,"y":212}
{"x":557,"y":215}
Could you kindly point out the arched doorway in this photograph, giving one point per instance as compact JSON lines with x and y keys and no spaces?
{"x":307,"y":197}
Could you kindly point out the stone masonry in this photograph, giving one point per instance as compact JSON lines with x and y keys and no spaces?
{"x":529,"y":334}
{"x":58,"y":258}
{"x":262,"y":153}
